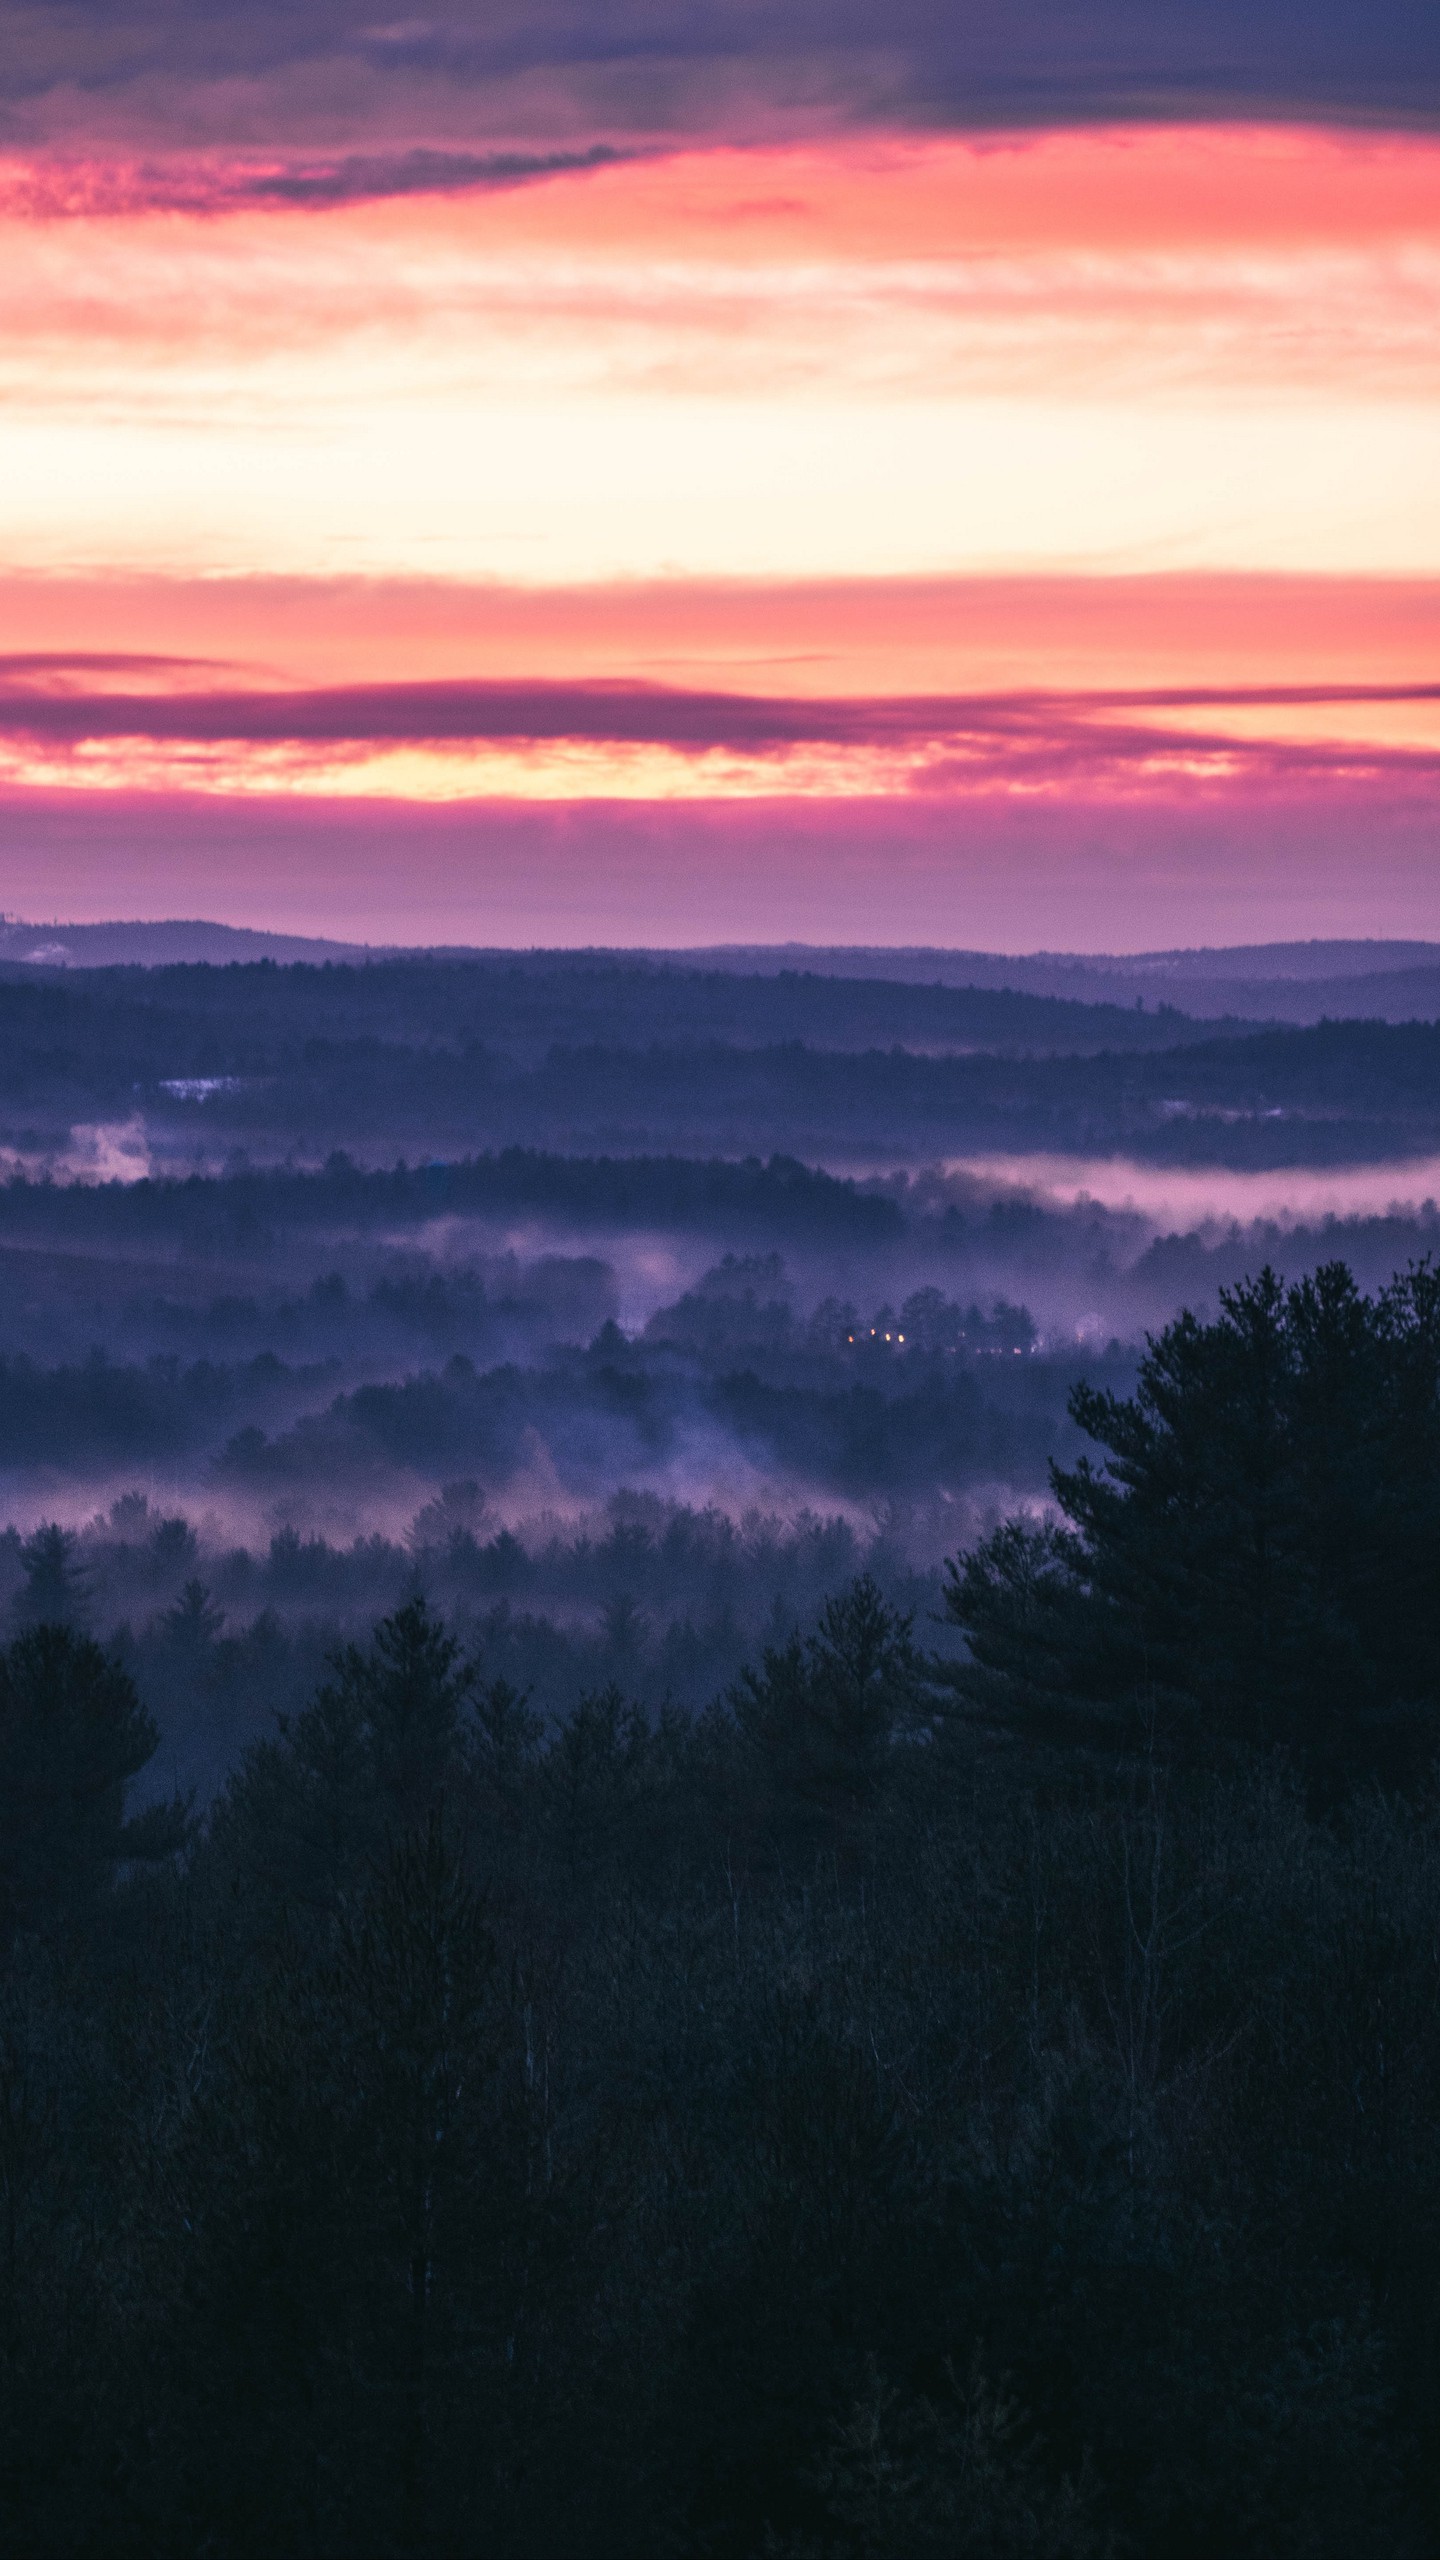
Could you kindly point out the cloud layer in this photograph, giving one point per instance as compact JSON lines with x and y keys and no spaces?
{"x":1105,"y":350}
{"x":452,"y":740}
{"x":891,"y":421}
{"x":541,"y":75}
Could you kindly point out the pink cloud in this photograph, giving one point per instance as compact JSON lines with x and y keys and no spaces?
{"x":833,"y":636}
{"x":960,"y":741}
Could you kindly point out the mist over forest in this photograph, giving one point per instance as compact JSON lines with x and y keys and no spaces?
{"x":719,"y":1656}
{"x":534,"y":1280}
{"x":742,"y":1659}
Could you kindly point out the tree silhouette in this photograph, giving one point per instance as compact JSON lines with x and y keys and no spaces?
{"x":1253,"y":1561}
{"x":54,"y":1594}
{"x":73,"y":1735}
{"x":375,"y":1750}
{"x":820,"y":1716}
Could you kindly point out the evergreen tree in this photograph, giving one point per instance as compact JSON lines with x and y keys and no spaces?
{"x":1253,"y":1560}
{"x":375,"y":1751}
{"x":54,"y":1594}
{"x":820,"y":1716}
{"x":1069,"y":2193}
{"x":73,"y":1735}
{"x":193,"y":1627}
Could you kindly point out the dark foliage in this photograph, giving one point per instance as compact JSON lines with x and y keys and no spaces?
{"x":1254,"y":1562}
{"x":754,"y":2134}
{"x":236,"y":1210}
{"x":821,"y":1717}
{"x":54,"y":1588}
{"x":799,"y":2128}
{"x":462,"y":1056}
{"x":73,"y":1734}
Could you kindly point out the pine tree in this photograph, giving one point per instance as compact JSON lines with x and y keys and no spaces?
{"x":1252,"y":1562}
{"x":73,"y":1735}
{"x":54,"y":1594}
{"x":820,"y":1717}
{"x":376,"y":1750}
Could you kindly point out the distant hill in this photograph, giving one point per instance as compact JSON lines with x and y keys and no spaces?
{"x":1271,"y":960}
{"x":1382,"y":995}
{"x":445,"y":1057}
{"x":157,"y":946}
{"x":1299,"y":982}
{"x":1291,"y":982}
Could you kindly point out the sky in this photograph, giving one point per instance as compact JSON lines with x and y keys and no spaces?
{"x":658,"y":474}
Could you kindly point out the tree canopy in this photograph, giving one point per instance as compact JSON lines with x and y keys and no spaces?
{"x":1253,"y":1560}
{"x":73,"y":1734}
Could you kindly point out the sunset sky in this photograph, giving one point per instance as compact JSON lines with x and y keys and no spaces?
{"x":676,"y":475}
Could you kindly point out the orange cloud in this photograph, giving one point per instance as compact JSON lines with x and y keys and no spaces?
{"x":1269,"y":256}
{"x":867,"y":637}
{"x":872,"y":198}
{"x":1140,"y":426}
{"x":879,"y":358}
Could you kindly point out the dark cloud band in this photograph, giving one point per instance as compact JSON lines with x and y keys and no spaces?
{"x":44,"y":702}
{"x":441,"y":102}
{"x":206,"y":185}
{"x":362,"y":175}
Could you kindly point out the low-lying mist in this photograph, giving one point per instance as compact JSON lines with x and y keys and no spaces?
{"x":661,"y":1598}
{"x":625,"y":1309}
{"x":325,"y":1351}
{"x":607,"y":1456}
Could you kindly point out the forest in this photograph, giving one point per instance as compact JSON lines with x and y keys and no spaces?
{"x":940,"y":2098}
{"x":597,"y":1054}
{"x":718,"y":1730}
